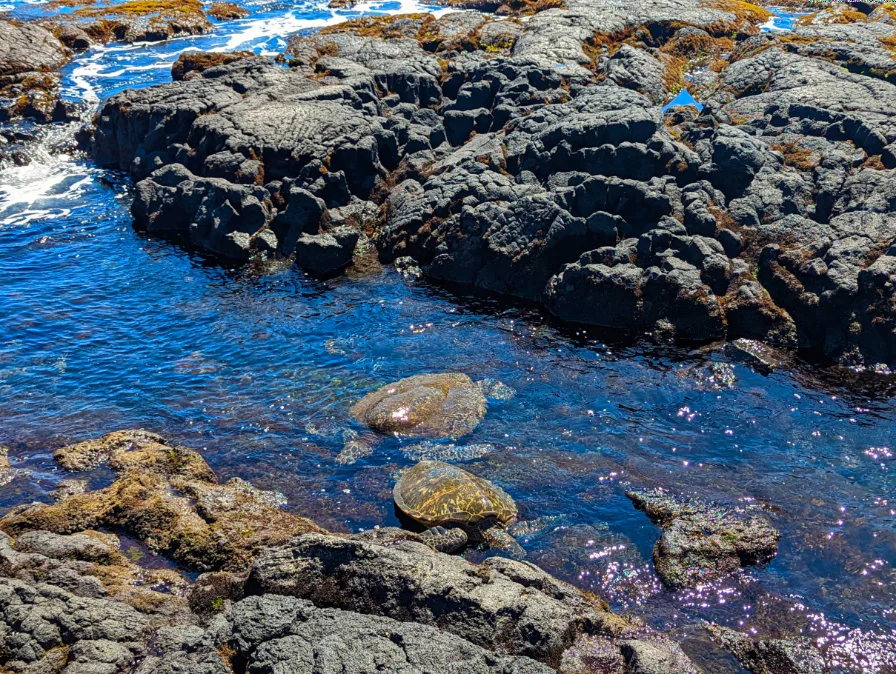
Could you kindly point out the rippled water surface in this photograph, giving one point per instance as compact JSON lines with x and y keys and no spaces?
{"x":104,"y":329}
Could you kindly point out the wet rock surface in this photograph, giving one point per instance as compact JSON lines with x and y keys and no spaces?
{"x":135,"y":21}
{"x":532,"y":160}
{"x":702,"y":541}
{"x":77,"y":599}
{"x":507,"y":606}
{"x":29,"y":84}
{"x":169,"y":498}
{"x":771,"y":656}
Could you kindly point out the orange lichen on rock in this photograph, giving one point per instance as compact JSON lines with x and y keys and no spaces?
{"x":831,"y":16}
{"x":226,"y":11}
{"x":198,"y":61}
{"x":505,"y":7}
{"x":384,"y":27}
{"x":141,"y":20}
{"x":746,"y":17}
{"x":796,"y":156}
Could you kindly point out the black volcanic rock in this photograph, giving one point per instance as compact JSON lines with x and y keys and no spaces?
{"x":702,"y":541}
{"x":29,"y":85}
{"x":538,"y":165}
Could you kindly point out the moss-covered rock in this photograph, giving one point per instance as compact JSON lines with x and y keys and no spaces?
{"x":200,"y":61}
{"x":168,"y":498}
{"x":702,"y":541}
{"x":29,"y":84}
{"x":226,"y":11}
{"x":137,"y":20}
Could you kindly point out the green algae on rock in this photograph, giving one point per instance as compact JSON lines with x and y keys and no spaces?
{"x":167,"y":497}
{"x":446,"y":405}
{"x":701,"y":541}
{"x":771,"y":656}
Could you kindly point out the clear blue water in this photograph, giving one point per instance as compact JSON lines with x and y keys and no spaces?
{"x":103,"y":328}
{"x":783,"y":19}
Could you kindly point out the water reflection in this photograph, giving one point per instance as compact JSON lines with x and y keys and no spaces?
{"x":256,"y":367}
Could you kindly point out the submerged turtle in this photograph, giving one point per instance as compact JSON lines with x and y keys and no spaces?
{"x":456,"y":507}
{"x":435,"y":406}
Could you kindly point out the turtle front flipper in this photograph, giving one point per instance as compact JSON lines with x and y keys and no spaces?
{"x":445,"y":540}
{"x":498,"y":539}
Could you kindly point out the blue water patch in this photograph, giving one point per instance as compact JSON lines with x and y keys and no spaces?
{"x":782,"y":21}
{"x":684,"y":98}
{"x":105,"y":328}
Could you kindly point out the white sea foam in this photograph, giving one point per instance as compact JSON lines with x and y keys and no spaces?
{"x":46,"y":186}
{"x":249,"y":33}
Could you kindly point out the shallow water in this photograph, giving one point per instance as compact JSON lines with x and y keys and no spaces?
{"x":103,"y":328}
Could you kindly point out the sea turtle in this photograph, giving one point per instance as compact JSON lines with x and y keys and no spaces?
{"x":444,"y":405}
{"x":456,"y":507}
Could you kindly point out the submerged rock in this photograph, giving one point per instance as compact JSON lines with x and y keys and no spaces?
{"x":429,"y":405}
{"x":771,"y":656}
{"x":7,"y":472}
{"x":431,"y":451}
{"x":701,"y":541}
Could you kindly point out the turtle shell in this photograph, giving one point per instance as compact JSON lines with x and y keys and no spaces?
{"x":446,"y":405}
{"x":435,"y":493}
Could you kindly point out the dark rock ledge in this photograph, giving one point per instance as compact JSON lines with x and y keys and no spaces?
{"x":278,"y":593}
{"x":530,"y":159}
{"x":30,"y":57}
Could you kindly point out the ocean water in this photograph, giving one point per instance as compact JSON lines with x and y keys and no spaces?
{"x":102,"y":328}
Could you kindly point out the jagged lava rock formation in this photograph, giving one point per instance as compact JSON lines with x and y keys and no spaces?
{"x":531,"y":159}
{"x":279,"y":593}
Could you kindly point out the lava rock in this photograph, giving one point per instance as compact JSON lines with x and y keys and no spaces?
{"x":771,"y":656}
{"x":276,"y":631}
{"x":503,"y":605}
{"x":29,"y":85}
{"x":328,"y":252}
{"x":702,"y":542}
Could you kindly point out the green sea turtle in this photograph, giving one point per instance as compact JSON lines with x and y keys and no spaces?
{"x":438,"y":406}
{"x":456,"y":507}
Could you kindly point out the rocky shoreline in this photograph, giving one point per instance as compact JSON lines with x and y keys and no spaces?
{"x":526,"y":155}
{"x":531,"y":159}
{"x":278,"y":593}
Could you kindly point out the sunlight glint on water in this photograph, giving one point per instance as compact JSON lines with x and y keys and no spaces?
{"x":103,"y":328}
